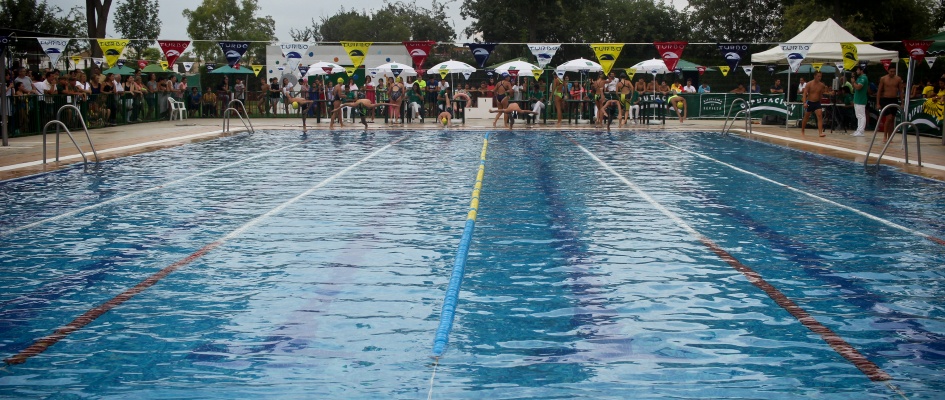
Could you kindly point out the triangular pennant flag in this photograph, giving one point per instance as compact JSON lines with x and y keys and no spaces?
{"x":536,"y":73}
{"x":396,"y":72}
{"x":771,"y":69}
{"x":559,"y":73}
{"x":543,"y":52}
{"x":724,"y":69}
{"x":188,"y":66}
{"x":862,"y":65}
{"x":795,"y":53}
{"x":164,"y":64}
{"x":303,"y":69}
{"x":121,"y":63}
{"x":257,"y":68}
{"x":513,"y":72}
{"x":839,"y":65}
{"x":53,"y":47}
{"x":930,"y":61}
{"x":444,"y":73}
{"x":356,"y":51}
{"x":630,"y":73}
{"x":233,"y":51}
{"x":211,"y":66}
{"x":172,"y":50}
{"x":906,"y":60}
{"x":917,"y":49}
{"x":4,"y":42}
{"x":98,"y":61}
{"x":142,"y":64}
{"x":481,"y":52}
{"x":886,"y":63}
{"x":607,"y":54}
{"x":328,"y":70}
{"x":112,"y":49}
{"x":850,"y":56}
{"x":419,"y":50}
{"x":671,"y":52}
{"x":293,"y":53}
{"x":817,"y":66}
{"x":75,"y":61}
{"x":733,"y":53}
{"x":701,"y":70}
{"x":467,"y":74}
{"x":350,"y":70}
{"x":748,"y":69}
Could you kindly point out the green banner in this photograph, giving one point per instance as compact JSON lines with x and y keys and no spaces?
{"x":718,"y":105}
{"x":927,"y":115}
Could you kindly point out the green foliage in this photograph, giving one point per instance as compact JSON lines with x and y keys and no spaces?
{"x":394,"y":22}
{"x":229,"y":20}
{"x":41,"y":17}
{"x":150,"y":53}
{"x":882,"y":22}
{"x":138,"y":19}
{"x":734,"y":20}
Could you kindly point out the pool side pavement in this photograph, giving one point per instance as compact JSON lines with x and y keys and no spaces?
{"x":24,"y":155}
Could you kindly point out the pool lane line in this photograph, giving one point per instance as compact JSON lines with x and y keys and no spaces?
{"x":10,"y":231}
{"x":816,"y":197}
{"x":441,"y":338}
{"x":844,"y":349}
{"x":45,"y":342}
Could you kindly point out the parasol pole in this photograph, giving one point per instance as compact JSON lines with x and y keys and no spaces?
{"x":787,"y":96}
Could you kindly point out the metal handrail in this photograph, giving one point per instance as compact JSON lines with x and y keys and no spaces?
{"x":905,"y":148}
{"x":876,"y":129}
{"x":747,"y":111}
{"x":226,"y":119}
{"x":251,"y":128}
{"x":59,"y":123}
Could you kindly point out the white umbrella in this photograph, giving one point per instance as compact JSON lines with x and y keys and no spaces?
{"x":324,"y":68}
{"x":654,"y":66}
{"x":388,"y":70}
{"x":451,"y":66}
{"x":523,"y":68}
{"x":580,"y":64}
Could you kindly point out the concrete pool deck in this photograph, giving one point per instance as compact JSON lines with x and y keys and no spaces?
{"x":24,"y":155}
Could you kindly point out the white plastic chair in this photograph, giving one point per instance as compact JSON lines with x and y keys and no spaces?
{"x":179,"y":107}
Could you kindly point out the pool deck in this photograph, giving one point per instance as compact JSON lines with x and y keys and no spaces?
{"x":24,"y":155}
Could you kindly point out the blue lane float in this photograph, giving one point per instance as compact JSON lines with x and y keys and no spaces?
{"x":459,"y":266}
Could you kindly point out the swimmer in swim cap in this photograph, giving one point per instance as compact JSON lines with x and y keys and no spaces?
{"x":298,"y":102}
{"x":445,"y":118}
{"x":513,"y":111}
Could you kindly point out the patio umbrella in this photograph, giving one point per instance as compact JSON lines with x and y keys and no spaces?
{"x":654,"y":66}
{"x":122,"y":70}
{"x":809,"y":69}
{"x":389,"y":69}
{"x":452,"y":67}
{"x":324,"y":68}
{"x":155,"y":69}
{"x":579,"y":65}
{"x":523,"y":68}
{"x":226,"y":69}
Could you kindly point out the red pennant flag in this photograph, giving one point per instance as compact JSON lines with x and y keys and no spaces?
{"x":513,"y":72}
{"x":327,"y":69}
{"x":671,"y":52}
{"x":142,"y":64}
{"x":172,"y":50}
{"x":701,"y":70}
{"x":419,"y":50}
{"x":886,"y":63}
{"x":917,"y":48}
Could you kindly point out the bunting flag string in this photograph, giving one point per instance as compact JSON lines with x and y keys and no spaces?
{"x":172,"y":50}
{"x":607,"y":54}
{"x":481,"y":52}
{"x":233,"y":51}
{"x":356,"y":52}
{"x":112,"y":49}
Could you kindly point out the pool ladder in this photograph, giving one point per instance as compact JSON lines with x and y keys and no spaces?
{"x":905,"y":134}
{"x":746,"y":111}
{"x":58,"y":123}
{"x":229,"y":109}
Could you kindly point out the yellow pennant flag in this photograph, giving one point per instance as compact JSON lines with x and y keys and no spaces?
{"x":850,"y":57}
{"x":356,"y":51}
{"x":906,"y":60}
{"x":817,"y":66}
{"x":164,"y":64}
{"x":350,"y":70}
{"x":607,"y":54}
{"x":75,"y":61}
{"x":630,"y":73}
{"x":444,"y":73}
{"x":112,"y":48}
{"x":257,"y":68}
{"x":537,"y":73}
{"x":724,"y":69}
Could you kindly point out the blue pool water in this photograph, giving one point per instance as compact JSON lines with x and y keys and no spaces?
{"x":335,"y":250}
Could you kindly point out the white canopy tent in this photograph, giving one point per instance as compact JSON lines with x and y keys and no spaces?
{"x":826,"y":37}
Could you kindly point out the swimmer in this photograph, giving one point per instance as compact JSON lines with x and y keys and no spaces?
{"x":611,"y":110}
{"x":676,"y":102}
{"x":297,"y":103}
{"x":511,"y":112}
{"x":359,"y":104}
{"x":445,"y":118}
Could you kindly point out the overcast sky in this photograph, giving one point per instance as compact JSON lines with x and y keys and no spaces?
{"x":287,"y":14}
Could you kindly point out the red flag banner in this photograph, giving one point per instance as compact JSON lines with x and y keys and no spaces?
{"x":886,"y":63}
{"x":513,"y":72}
{"x":142,"y":64}
{"x":173,"y":49}
{"x":419,"y":50}
{"x":917,"y":48}
{"x":671,"y":52}
{"x":701,"y":70}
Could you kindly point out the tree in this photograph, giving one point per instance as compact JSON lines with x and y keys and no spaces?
{"x":96,"y":13}
{"x":138,"y":19}
{"x":40,"y":17}
{"x":735,"y":20}
{"x":394,"y":22}
{"x":862,"y":22}
{"x":229,"y":20}
{"x":307,"y":34}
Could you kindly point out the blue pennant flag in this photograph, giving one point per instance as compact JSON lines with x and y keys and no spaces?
{"x":733,"y":53}
{"x":303,"y":70}
{"x":234,"y":51}
{"x":481,"y":51}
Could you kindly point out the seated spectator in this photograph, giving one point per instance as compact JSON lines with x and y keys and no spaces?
{"x":193,"y":102}
{"x":209,"y":101}
{"x":755,"y":88}
{"x":703,"y":88}
{"x":689,"y":88}
{"x":739,"y":90}
{"x":777,"y":88}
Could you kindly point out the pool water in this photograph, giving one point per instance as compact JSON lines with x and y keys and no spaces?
{"x":315,"y":267}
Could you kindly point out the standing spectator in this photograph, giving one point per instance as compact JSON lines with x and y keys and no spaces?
{"x":286,"y":94}
{"x":800,"y":88}
{"x":303,"y":94}
{"x":151,"y":97}
{"x":274,"y":94}
{"x":704,"y":88}
{"x":239,"y":93}
{"x":755,"y":88}
{"x":689,"y":88}
{"x":777,"y":88}
{"x":891,"y":90}
{"x":108,"y":93}
{"x":223,"y":93}
{"x":860,"y":87}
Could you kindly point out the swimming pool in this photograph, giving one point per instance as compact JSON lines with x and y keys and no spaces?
{"x":315,"y":267}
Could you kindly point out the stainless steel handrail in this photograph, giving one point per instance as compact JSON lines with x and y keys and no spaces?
{"x":747,"y":111}
{"x":876,"y":129}
{"x":226,"y":120}
{"x":905,"y":148}
{"x":58,"y":122}
{"x":229,"y":105}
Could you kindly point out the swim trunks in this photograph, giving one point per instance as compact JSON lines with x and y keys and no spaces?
{"x":885,"y":101}
{"x":499,"y":97}
{"x":813,"y":106}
